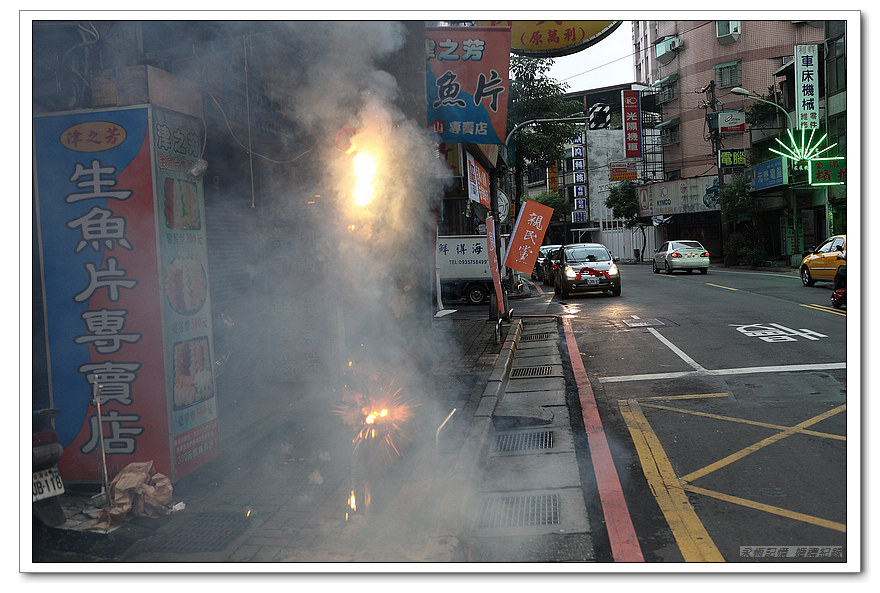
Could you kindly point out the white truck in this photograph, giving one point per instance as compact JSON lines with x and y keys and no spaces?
{"x":463,"y":268}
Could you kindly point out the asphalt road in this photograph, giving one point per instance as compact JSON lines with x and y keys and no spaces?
{"x":724,"y":399}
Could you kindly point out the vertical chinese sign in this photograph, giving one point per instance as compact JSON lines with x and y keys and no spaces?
{"x":183,"y":257}
{"x":632,"y":123}
{"x":467,"y":78}
{"x":579,"y":167}
{"x":104,"y":288}
{"x":478,"y":182}
{"x":806,"y":86}
{"x":527,"y":236}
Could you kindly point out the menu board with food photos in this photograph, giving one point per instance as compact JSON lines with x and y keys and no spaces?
{"x":126,"y":306}
{"x":184,"y":279}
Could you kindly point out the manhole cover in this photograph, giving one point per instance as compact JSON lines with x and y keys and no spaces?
{"x":642,"y":322}
{"x":518,"y":511}
{"x":203,"y":532}
{"x":523,"y":441}
{"x":535,"y":337}
{"x":528,"y":372}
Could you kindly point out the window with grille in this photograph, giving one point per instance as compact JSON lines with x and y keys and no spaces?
{"x":728,"y":75}
{"x":669,"y":135}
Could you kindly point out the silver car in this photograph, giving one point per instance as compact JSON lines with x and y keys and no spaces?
{"x":685,"y":255}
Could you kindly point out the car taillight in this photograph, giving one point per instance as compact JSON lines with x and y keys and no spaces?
{"x":704,"y":254}
{"x":675,"y":254}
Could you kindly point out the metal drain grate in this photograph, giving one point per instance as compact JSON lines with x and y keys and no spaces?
{"x":528,"y":372}
{"x":523,"y":441}
{"x":643,"y":322}
{"x":535,"y":337}
{"x":518,"y":511}
{"x":204,"y":532}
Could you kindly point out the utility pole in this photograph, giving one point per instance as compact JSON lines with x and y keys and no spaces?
{"x":715,"y":129}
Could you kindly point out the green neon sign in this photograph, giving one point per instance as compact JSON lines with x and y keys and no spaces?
{"x":805,"y":150}
{"x":828,"y":171}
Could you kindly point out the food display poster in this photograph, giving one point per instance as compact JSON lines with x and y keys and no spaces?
{"x":104,"y":288}
{"x":177,"y":143}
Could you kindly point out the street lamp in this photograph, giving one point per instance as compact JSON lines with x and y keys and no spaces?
{"x":741,"y":91}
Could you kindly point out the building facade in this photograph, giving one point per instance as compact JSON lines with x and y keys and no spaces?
{"x":694,"y":67}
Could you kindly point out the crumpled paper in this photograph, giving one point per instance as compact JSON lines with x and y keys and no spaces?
{"x":137,"y":489}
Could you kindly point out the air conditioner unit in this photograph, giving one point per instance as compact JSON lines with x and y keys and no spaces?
{"x":675,"y":44}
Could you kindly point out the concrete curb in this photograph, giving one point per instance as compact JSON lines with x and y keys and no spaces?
{"x":448,"y":543}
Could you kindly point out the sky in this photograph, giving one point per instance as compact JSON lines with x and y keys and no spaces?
{"x":607,"y":63}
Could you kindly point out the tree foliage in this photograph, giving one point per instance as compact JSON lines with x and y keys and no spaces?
{"x":535,"y":96}
{"x":623,"y":200}
{"x":560,"y":204}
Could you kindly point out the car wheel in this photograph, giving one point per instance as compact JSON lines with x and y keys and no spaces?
{"x":704,"y":270}
{"x":666,"y":265}
{"x":806,"y":278}
{"x":476,"y":294}
{"x":654,"y":267}
{"x":615,"y":291}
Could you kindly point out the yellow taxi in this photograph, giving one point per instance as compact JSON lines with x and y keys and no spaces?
{"x":821,"y":264}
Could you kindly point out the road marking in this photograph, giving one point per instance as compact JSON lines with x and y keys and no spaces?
{"x":719,"y":286}
{"x":722,"y":372}
{"x":678,"y":351}
{"x":786,"y":432}
{"x":691,"y":536}
{"x":825,"y":435}
{"x":669,"y":490}
{"x":825,"y":309}
{"x":768,"y":508}
{"x":793,"y":276}
{"x":621,"y":533}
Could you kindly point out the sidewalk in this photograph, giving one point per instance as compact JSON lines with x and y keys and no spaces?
{"x":290,"y":505}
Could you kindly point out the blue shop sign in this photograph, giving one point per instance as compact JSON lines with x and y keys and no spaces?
{"x":770,"y":173}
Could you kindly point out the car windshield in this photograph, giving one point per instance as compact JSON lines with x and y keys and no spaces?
{"x":581,"y":254}
{"x":542,"y":252}
{"x":686,"y":245}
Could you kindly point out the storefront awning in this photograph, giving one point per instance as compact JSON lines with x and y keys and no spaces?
{"x":726,"y":64}
{"x":668,"y":124}
{"x":666,"y":81}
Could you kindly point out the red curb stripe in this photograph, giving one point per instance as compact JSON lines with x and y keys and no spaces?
{"x":624,"y":543}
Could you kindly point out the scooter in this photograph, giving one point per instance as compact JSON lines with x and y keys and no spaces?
{"x":47,"y":485}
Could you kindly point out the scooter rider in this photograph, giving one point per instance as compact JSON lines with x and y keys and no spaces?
{"x":840,"y":277}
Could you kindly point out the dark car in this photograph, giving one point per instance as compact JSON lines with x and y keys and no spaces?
{"x":538,"y":271}
{"x":549,"y":265}
{"x":586,"y":267}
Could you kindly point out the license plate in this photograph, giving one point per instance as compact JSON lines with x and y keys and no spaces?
{"x":692,"y":255}
{"x":592,"y":281}
{"x":47,"y":483}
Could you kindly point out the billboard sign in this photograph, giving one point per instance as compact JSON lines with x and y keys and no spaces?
{"x":623,"y":171}
{"x":478,"y":182}
{"x":806,"y":86}
{"x":467,"y":77}
{"x":549,"y":39}
{"x":111,"y":282}
{"x":632,"y":123}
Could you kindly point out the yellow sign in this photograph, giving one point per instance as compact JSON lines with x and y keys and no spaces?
{"x":547,"y":39}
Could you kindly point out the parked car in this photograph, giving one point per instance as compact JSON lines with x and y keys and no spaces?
{"x":821,"y":263}
{"x":548,"y":268}
{"x":685,"y":255}
{"x":538,"y":272}
{"x":586,"y":267}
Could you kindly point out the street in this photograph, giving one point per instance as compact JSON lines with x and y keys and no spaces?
{"x":723,"y":397}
